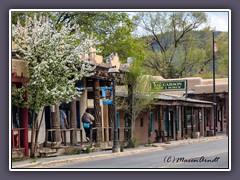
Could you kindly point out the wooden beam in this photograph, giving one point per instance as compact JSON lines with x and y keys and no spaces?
{"x":175,"y":103}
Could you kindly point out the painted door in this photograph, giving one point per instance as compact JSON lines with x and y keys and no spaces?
{"x":151,"y":122}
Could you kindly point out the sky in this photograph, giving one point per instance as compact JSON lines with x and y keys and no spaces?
{"x":217,"y":20}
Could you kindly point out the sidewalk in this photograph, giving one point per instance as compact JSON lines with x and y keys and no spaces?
{"x":59,"y":160}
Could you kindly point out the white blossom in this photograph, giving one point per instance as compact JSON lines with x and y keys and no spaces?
{"x":53,"y":59}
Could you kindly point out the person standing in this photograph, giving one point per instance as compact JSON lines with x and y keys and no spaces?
{"x":63,"y":122}
{"x":87,"y":120}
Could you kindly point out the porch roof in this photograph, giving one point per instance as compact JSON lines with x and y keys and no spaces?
{"x":163,"y":99}
{"x":175,"y":98}
{"x":185,"y":101}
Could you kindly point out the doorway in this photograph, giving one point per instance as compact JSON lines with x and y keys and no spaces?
{"x":171,"y":116}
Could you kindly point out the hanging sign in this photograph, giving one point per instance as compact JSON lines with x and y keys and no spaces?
{"x":79,"y":86}
{"x":107,"y":95}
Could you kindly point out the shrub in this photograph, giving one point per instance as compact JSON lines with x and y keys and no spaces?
{"x":87,"y":151}
{"x":122,"y":146}
{"x":133,"y":143}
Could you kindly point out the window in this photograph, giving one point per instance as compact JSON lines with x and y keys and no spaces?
{"x":127,"y":121}
{"x":165,"y":116}
{"x":178,"y":119}
{"x":141,"y":122}
{"x":158,"y":115}
{"x":219,"y":115}
{"x":151,"y":122}
{"x":32,"y":114}
{"x":16,"y":117}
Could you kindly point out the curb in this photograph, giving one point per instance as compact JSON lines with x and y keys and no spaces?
{"x":190,"y":141}
{"x":121,"y":154}
{"x":78,"y":159}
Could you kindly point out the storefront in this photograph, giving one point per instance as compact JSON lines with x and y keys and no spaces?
{"x":173,"y":118}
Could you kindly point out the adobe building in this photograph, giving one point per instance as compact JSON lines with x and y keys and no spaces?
{"x":181,"y":114}
{"x":19,"y":116}
{"x":202,"y":89}
{"x":170,"y":118}
{"x":90,"y":98}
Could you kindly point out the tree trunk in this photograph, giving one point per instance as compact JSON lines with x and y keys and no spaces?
{"x":73,"y":125}
{"x":32,"y":149}
{"x":131,"y":110}
{"x":37,"y":132}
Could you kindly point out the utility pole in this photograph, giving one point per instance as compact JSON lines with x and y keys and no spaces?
{"x":214,"y":90}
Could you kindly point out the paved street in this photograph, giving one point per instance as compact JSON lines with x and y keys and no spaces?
{"x":212,"y":154}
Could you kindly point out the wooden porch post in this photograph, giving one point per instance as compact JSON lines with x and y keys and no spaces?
{"x":206,"y":119}
{"x":198,"y":120}
{"x":73,"y":123}
{"x":176,"y":121}
{"x":159,"y":123}
{"x":185,"y":122}
{"x":182,"y":121}
{"x":25,"y":126}
{"x":97,"y":108}
{"x":56,"y":124}
{"x":227,"y":117}
{"x":192,"y":135}
{"x":203,"y":122}
{"x":169,"y":125}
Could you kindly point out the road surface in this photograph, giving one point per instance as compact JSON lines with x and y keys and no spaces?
{"x":213,"y":154}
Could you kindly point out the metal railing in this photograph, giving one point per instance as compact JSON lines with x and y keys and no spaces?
{"x":64,"y":132}
{"x":124,"y":131}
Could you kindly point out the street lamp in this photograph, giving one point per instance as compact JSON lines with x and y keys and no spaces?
{"x":113,"y":72}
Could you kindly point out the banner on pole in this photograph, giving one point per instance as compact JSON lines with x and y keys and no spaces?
{"x":107,"y":95}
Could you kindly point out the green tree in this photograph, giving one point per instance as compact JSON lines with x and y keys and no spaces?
{"x":139,"y":95}
{"x":204,"y":66}
{"x":113,"y":30}
{"x":170,"y":32}
{"x":222,"y":58}
{"x":22,"y":15}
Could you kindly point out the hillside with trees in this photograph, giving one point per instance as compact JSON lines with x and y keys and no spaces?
{"x":177,"y":48}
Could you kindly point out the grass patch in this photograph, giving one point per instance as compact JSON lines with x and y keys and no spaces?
{"x":33,"y":160}
{"x":72,"y":151}
{"x":148,"y":145}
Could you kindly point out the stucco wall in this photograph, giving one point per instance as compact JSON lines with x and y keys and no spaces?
{"x":19,"y":68}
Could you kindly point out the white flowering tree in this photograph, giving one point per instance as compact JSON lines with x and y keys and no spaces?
{"x":54,"y":63}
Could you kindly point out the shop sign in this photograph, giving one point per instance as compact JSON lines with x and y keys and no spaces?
{"x":168,"y":85}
